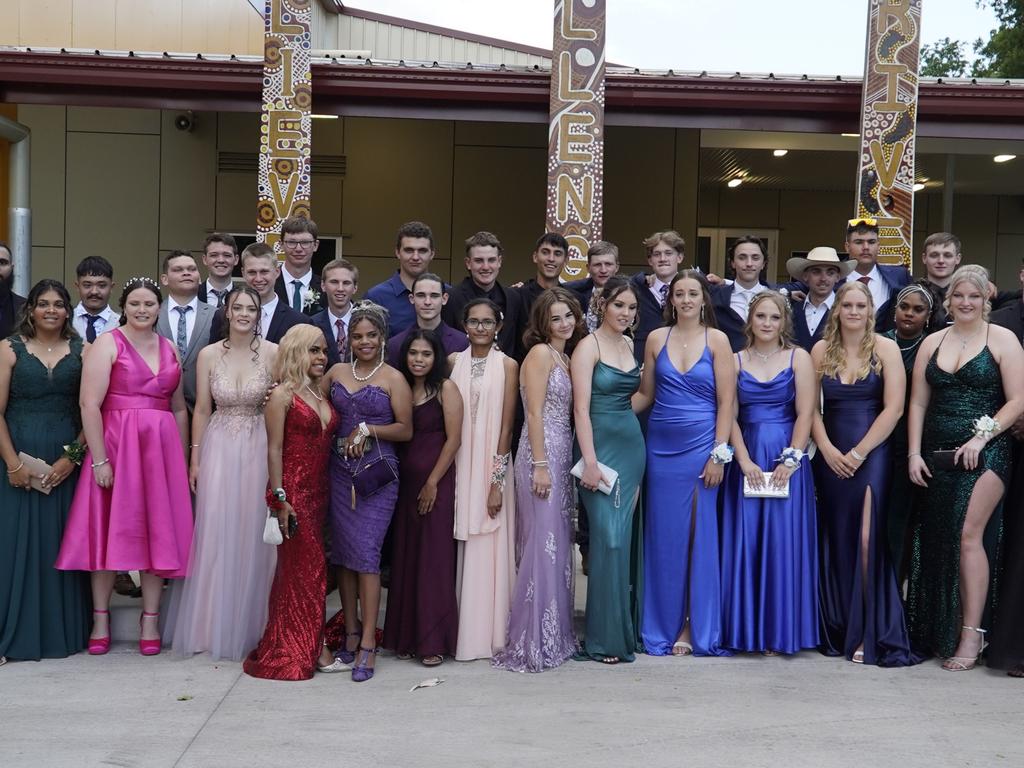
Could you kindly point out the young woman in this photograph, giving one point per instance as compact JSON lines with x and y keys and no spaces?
{"x":422,"y":615}
{"x":484,"y":493}
{"x":133,"y":510}
{"x":968,"y":391}
{"x":374,"y":403}
{"x":862,"y":381}
{"x":689,"y":375}
{"x":605,"y":377}
{"x":770,"y":545}
{"x":540,"y":632}
{"x":300,"y":428}
{"x":222,"y":606}
{"x":44,"y":612}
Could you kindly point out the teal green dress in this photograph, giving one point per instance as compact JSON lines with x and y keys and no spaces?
{"x":614,"y":586}
{"x":44,"y":613}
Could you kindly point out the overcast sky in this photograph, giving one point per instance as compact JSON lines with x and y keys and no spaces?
{"x":786,"y":36}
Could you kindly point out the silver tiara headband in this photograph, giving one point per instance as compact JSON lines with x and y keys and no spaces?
{"x":146,"y":280}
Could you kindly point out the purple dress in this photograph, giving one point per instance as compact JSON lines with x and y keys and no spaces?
{"x":357,"y":533}
{"x":540,"y":632}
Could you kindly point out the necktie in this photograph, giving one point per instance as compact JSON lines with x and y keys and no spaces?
{"x":340,"y":325}
{"x":220,"y":295}
{"x":181,"y":339}
{"x":664,"y":294}
{"x":90,"y":327}
{"x":864,"y":279}
{"x":297,"y":295}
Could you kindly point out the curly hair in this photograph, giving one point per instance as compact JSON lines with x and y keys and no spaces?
{"x":782,"y":303}
{"x":835,"y":353}
{"x":254,"y":343}
{"x":376,"y":315}
{"x":538,"y":331}
{"x":291,"y":367}
{"x":977,"y":276}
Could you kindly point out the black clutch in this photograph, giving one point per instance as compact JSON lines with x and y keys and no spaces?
{"x":944,"y":460}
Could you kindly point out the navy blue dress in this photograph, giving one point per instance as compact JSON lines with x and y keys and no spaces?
{"x":855,"y":610}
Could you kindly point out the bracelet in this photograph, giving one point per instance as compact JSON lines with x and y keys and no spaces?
{"x":12,"y":471}
{"x":194,"y":445}
{"x":97,"y":464}
{"x":912,"y":455}
{"x":857,"y":456}
{"x":721,"y":453}
{"x":985,"y":427}
{"x":791,"y":457}
{"x":543,"y":463}
{"x":499,"y":470}
{"x":75,"y":452}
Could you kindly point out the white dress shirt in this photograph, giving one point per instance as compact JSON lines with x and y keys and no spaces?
{"x":190,"y":318}
{"x":266,"y":313}
{"x":740,"y":299}
{"x":106,"y":320}
{"x":879,"y":290}
{"x":211,"y":297}
{"x":814,"y":314}
{"x":655,"y":290}
{"x":344,"y":320}
{"x":288,"y":277}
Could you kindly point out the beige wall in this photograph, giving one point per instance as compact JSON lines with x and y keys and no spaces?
{"x":204,"y":26}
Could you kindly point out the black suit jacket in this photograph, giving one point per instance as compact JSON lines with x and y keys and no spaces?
{"x":460,"y":295}
{"x":314,"y":285}
{"x":649,"y":311}
{"x":801,"y":333}
{"x":896,"y":278}
{"x":730,"y":323}
{"x":1011,"y":316}
{"x":10,"y":310}
{"x":584,"y":290}
{"x":284,"y":317}
{"x":322,"y":320}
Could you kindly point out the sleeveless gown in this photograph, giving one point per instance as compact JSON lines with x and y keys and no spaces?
{"x":933,"y":605}
{"x":540,"y":624}
{"x":222,"y":606}
{"x":681,"y":576}
{"x":143,"y":522}
{"x":292,"y":639}
{"x":422,"y":615}
{"x":44,"y":612}
{"x":769,"y":546}
{"x":614,"y":583}
{"x":852,"y":611}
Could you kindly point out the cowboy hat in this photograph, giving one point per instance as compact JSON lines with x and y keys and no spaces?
{"x":822,"y":256}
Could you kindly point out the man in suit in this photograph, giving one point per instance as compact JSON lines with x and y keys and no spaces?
{"x":260,"y":269}
{"x":602,"y":263}
{"x":820,"y":271}
{"x":220,"y":256}
{"x":665,"y":251}
{"x":340,"y":280}
{"x":428,"y":297}
{"x":1011,"y":315}
{"x":748,"y":259}
{"x":297,"y":284}
{"x":184,"y":320}
{"x":94,"y":281}
{"x":884,"y":281}
{"x":10,"y":302}
{"x":414,"y":249}
{"x":483,"y":263}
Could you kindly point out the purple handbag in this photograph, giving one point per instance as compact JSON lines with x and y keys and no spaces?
{"x":373,"y":470}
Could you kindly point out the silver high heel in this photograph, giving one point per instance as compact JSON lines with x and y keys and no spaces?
{"x":966,"y":663}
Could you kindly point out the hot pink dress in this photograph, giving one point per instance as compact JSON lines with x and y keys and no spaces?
{"x":144,"y":521}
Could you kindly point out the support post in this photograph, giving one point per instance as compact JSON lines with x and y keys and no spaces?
{"x":19,"y":214}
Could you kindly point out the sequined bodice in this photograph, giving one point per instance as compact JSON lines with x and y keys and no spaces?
{"x":239,"y":408}
{"x":38,"y":394}
{"x":477,"y":366}
{"x":557,"y":399}
{"x":957,"y":399}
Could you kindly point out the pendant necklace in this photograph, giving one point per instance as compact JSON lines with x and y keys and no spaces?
{"x":963,"y":341}
{"x":766,"y":357}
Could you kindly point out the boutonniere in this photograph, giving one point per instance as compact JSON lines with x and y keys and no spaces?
{"x":311,"y":299}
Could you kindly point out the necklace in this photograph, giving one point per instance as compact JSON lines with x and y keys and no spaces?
{"x":320,"y":398}
{"x":910,"y":346}
{"x":367,"y":377}
{"x":766,"y":357}
{"x":41,"y":344}
{"x":964,"y":341}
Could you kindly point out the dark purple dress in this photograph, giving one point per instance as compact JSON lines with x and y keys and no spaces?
{"x":423,"y":616}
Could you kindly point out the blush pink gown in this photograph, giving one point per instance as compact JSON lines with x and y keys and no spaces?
{"x":144,"y":521}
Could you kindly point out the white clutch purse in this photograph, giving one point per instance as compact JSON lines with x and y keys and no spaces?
{"x":766,"y":491}
{"x":609,"y":474}
{"x":271,"y":530}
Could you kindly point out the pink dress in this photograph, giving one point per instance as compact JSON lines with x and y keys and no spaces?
{"x":143,"y":522}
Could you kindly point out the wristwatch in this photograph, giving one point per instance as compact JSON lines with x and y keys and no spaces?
{"x":364,"y":432}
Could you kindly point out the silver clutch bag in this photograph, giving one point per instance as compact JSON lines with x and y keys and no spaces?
{"x":766,"y":491}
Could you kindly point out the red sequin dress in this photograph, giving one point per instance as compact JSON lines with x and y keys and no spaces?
{"x":291,"y":642}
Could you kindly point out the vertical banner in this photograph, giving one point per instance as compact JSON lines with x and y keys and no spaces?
{"x":885,"y":182}
{"x":575,"y":197}
{"x":285,"y":121}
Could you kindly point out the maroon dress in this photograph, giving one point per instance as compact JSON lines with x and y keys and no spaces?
{"x":291,"y":642}
{"x":423,"y":616}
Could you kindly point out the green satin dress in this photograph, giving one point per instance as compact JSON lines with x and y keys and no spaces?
{"x":614,"y":586}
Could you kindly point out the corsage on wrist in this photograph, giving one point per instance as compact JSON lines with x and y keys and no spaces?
{"x":985,"y":427}
{"x":791,"y":457}
{"x":75,"y":453}
{"x":499,"y":470}
{"x":276,"y":498}
{"x":721,"y":453}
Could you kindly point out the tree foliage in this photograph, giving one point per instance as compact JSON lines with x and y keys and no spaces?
{"x":944,"y":58}
{"x":1002,"y":55}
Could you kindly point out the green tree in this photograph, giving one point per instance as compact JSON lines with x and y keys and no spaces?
{"x":944,"y":58}
{"x":1003,"y":54}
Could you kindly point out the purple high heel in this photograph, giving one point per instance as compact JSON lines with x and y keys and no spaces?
{"x":343,"y":654}
{"x":360,"y":672}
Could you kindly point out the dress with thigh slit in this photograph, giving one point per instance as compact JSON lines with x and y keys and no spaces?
{"x":855,"y":609}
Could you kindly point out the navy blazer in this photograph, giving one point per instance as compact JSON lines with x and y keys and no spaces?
{"x":650,"y":312}
{"x":284,"y":317}
{"x":896,"y":278}
{"x":584,"y":290}
{"x":801,"y":333}
{"x":322,"y":320}
{"x":314,"y":285}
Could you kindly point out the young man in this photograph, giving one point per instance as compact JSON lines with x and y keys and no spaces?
{"x":1011,"y":315}
{"x":260,"y":270}
{"x":820,"y":271}
{"x":297,"y":284}
{"x":549,"y":257}
{"x":884,"y":281}
{"x":483,"y":263}
{"x":184,"y":320}
{"x":602,"y":263}
{"x":94,"y":281}
{"x":414,"y":249}
{"x":220,"y":256}
{"x":665,"y":251}
{"x":10,"y":302}
{"x":748,"y":259}
{"x":340,"y":281}
{"x":428,"y":297}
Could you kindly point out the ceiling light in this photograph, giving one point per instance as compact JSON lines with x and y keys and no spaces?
{"x":733,"y":183}
{"x":324,"y":117}
{"x":780,"y":152}
{"x":1004,"y":158}
{"x":851,"y":135}
{"x":918,"y":187}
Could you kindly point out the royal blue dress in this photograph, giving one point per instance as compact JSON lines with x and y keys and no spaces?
{"x":855,"y":611}
{"x":681,"y":577}
{"x":769,"y":546}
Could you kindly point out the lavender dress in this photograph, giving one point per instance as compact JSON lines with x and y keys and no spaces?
{"x":357,"y":533}
{"x":540,"y":633}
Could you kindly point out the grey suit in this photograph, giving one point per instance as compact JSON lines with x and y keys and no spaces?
{"x":199,"y":339}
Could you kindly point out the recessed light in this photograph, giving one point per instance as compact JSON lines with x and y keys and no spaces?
{"x":324,"y":117}
{"x":918,"y":187}
{"x":780,"y":152}
{"x":851,"y":135}
{"x":733,"y":183}
{"x":1004,"y":158}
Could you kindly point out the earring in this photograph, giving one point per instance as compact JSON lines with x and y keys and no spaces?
{"x":702,"y":313}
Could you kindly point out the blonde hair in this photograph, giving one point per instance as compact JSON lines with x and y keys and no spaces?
{"x":782,"y":303}
{"x":835,"y":353}
{"x":976,"y":276}
{"x":291,"y":367}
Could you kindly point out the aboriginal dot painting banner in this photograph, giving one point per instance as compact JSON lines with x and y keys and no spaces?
{"x":576,"y":132}
{"x":285,"y":122}
{"x":885,"y":182}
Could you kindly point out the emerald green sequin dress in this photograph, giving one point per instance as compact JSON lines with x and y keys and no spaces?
{"x":957,"y":399}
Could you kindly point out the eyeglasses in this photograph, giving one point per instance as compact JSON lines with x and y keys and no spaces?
{"x":485,"y":323}
{"x":299,"y":243}
{"x":867,"y":222}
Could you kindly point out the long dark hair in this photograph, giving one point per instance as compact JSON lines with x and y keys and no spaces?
{"x":254,"y":342}
{"x":708,"y":314}
{"x":27,"y":326}
{"x":133,"y":284}
{"x":439,"y":371}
